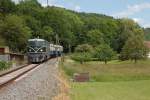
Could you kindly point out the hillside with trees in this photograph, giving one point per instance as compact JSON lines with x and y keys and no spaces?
{"x":147,"y":34}
{"x":28,"y":19}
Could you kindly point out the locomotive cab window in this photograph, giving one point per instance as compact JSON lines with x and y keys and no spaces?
{"x":37,"y":45}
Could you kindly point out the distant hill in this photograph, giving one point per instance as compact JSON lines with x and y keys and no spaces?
{"x":147,"y":34}
{"x":28,"y":19}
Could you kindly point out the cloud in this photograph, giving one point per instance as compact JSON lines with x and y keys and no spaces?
{"x":138,"y":20}
{"x":77,"y":8}
{"x":16,"y":1}
{"x":50,"y":3}
{"x":44,"y":2}
{"x":131,"y":10}
{"x":142,"y":22}
{"x":147,"y":25}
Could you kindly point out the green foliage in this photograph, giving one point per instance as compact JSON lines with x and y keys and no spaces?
{"x":147,"y":34}
{"x":64,"y":23}
{"x":95,"y":37}
{"x":28,"y":19}
{"x":7,"y":6}
{"x":82,"y":57}
{"x":4,"y":65}
{"x":105,"y":24}
{"x":33,"y":24}
{"x":84,"y":48}
{"x":29,"y":7}
{"x":14,"y":30}
{"x":134,"y":49}
{"x":126,"y":29}
{"x":104,"y":53}
{"x":84,"y":53}
{"x":2,"y":41}
{"x":47,"y":33}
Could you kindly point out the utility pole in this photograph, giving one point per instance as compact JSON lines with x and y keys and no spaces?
{"x":47,"y":3}
{"x":57,"y":39}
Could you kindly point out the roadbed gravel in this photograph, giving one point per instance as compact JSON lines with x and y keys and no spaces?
{"x":38,"y":84}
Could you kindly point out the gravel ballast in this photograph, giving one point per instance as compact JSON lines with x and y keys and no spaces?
{"x":38,"y":84}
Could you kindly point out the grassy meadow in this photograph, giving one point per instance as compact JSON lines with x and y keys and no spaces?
{"x":117,"y":80}
{"x":129,"y":90}
{"x":113,"y":71}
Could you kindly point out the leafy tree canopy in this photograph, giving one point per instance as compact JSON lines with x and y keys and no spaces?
{"x":30,"y":20}
{"x":15,"y":31}
{"x":95,"y":37}
{"x":84,"y":48}
{"x":7,"y":6}
{"x":104,"y":53}
{"x":134,"y":49}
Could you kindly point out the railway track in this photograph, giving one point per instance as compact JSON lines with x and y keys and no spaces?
{"x":40,"y":83}
{"x":12,"y":75}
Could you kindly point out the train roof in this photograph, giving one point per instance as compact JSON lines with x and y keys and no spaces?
{"x":36,"y":39}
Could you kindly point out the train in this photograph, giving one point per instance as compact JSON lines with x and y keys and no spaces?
{"x":40,"y":50}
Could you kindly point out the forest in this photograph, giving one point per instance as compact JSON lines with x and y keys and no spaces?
{"x":28,"y":19}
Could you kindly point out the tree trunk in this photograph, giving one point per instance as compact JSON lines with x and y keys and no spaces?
{"x":69,"y":47}
{"x":81,"y":62}
{"x":105,"y":61}
{"x":135,"y":60}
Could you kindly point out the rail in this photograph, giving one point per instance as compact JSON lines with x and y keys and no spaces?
{"x":12,"y":75}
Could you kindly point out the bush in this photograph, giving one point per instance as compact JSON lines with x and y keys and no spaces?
{"x":84,"y":48}
{"x":4,"y":65}
{"x":104,"y":53}
{"x":82,"y":57}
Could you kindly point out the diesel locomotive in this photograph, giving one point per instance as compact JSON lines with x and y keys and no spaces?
{"x":39,"y":50}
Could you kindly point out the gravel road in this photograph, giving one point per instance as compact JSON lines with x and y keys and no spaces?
{"x":39,"y":84}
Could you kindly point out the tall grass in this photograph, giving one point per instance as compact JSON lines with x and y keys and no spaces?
{"x":113,"y":71}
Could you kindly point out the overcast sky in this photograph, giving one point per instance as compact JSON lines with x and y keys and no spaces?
{"x":138,"y":10}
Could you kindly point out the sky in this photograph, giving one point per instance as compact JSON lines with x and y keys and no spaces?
{"x":138,"y":10}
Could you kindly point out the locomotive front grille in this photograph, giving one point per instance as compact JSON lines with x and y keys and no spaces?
{"x":36,"y":57}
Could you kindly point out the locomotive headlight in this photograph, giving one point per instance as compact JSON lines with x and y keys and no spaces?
{"x":30,"y":50}
{"x":41,"y":50}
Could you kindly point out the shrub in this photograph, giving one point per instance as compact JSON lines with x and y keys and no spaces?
{"x":84,"y":48}
{"x":104,"y":53}
{"x":4,"y":65}
{"x":82,"y":57}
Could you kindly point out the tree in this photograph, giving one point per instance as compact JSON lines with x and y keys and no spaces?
{"x":70,"y":27}
{"x":84,"y":48}
{"x":105,"y":24}
{"x":15,"y":32}
{"x":83,"y":53}
{"x":2,"y":41}
{"x":95,"y":37}
{"x":134,"y":49}
{"x":126,"y":28}
{"x":104,"y":53}
{"x":29,"y":7}
{"x":64,"y":23}
{"x":147,"y":34}
{"x":47,"y":34}
{"x":81,"y":57}
{"x":7,"y":6}
{"x":34,"y":24}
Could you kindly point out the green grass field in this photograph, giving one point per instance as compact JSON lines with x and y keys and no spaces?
{"x":113,"y":71}
{"x":113,"y":81}
{"x":129,"y":90}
